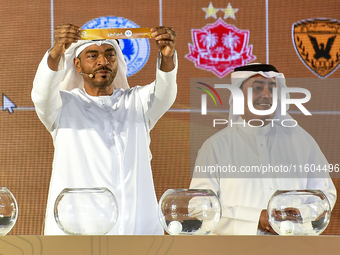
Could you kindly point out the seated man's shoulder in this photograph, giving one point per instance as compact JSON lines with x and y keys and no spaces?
{"x":300,"y":137}
{"x":297,"y":131}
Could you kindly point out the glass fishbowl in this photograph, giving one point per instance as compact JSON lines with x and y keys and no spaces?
{"x":299,"y":212}
{"x":8,"y":211}
{"x":189,"y":211}
{"x":86,"y":211}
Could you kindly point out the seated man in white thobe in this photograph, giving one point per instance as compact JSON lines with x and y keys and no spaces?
{"x":264,"y":142}
{"x":100,"y":127}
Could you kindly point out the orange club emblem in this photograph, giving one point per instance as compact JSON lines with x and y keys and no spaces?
{"x":317,"y":42}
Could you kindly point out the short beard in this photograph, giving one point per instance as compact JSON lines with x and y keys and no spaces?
{"x":102,"y":84}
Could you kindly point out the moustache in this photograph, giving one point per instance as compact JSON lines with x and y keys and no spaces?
{"x":102,"y":68}
{"x":263,"y":102}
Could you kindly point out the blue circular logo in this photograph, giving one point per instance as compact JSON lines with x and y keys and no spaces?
{"x":136,"y":51}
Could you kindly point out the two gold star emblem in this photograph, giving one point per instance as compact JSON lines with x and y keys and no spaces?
{"x":228,"y":12}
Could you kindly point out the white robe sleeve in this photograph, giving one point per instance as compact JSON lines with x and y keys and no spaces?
{"x":319,"y":180}
{"x":235,"y":220}
{"x":158,"y":96}
{"x":45,"y":93}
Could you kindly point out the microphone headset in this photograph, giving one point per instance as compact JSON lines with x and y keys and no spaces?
{"x":89,"y":75}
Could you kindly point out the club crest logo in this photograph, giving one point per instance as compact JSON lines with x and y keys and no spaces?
{"x":136,"y":51}
{"x":317,"y":42}
{"x":220,"y":48}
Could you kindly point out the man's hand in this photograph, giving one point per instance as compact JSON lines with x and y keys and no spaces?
{"x":289,"y":213}
{"x":165,"y":39}
{"x":64,"y":36}
{"x":264,"y":223}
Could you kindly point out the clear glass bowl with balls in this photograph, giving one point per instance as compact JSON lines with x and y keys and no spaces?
{"x":299,"y":212}
{"x":189,"y":211}
{"x":8,"y":211}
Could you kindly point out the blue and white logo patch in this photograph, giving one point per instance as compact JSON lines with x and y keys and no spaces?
{"x":136,"y":51}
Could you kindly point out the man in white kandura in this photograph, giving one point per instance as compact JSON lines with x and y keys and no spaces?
{"x":100,"y":127}
{"x":244,"y":200}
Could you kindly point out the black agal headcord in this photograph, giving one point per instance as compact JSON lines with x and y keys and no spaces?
{"x":257,"y":68}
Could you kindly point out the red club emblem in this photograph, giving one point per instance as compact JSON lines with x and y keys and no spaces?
{"x":220,"y":48}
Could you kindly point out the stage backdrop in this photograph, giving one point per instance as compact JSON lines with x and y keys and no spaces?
{"x":263,"y":31}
